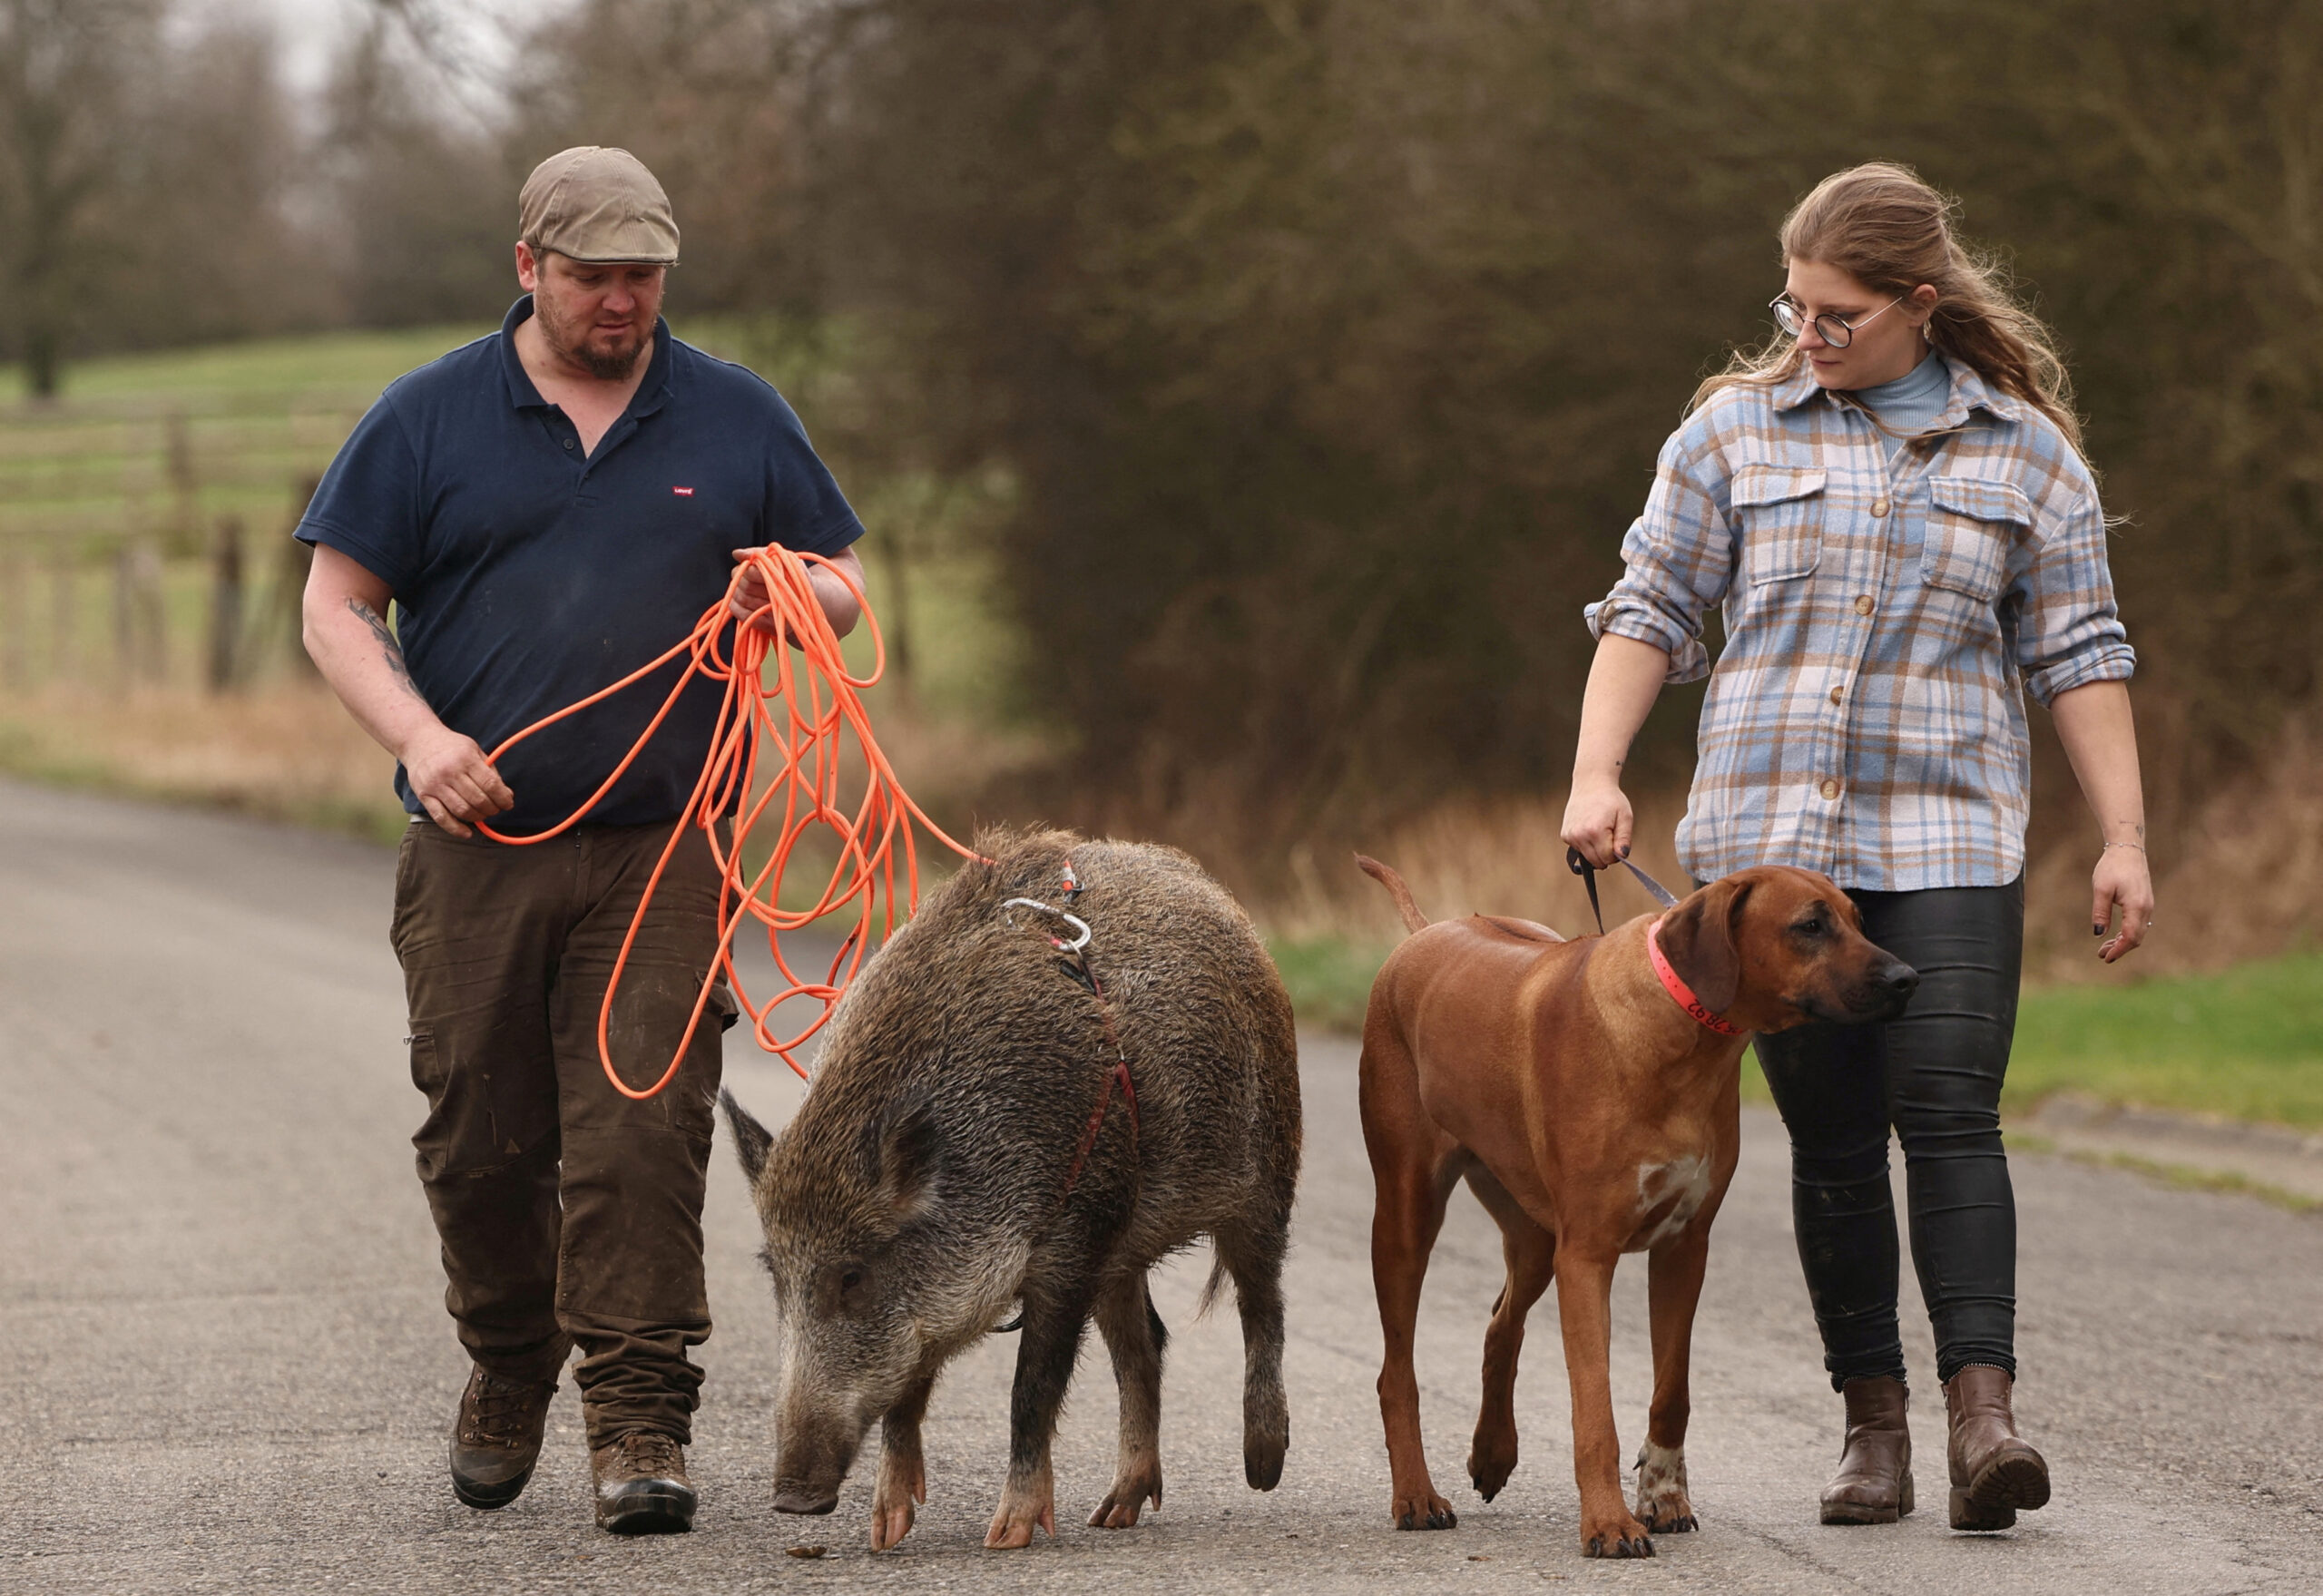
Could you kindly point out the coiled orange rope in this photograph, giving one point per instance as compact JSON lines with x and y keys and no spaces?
{"x":800,"y":720}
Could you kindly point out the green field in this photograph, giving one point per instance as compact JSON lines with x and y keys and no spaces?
{"x":148,"y":452}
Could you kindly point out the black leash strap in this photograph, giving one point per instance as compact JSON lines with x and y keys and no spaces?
{"x":1588,"y":874}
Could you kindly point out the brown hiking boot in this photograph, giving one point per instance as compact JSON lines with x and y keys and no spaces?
{"x":1874,"y":1484}
{"x":1995,"y":1474}
{"x":642,"y":1484}
{"x":497,"y":1439}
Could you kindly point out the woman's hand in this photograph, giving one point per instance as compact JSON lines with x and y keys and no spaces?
{"x":1598,"y":821}
{"x":2101,"y":738}
{"x":1625,"y":679}
{"x":2123,"y":878}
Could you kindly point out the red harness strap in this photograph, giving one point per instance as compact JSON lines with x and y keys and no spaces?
{"x":1073,"y":958}
{"x":1682,"y":993}
{"x":1105,"y":1090}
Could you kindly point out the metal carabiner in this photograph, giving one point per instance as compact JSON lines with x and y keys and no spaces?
{"x":1075,"y":921}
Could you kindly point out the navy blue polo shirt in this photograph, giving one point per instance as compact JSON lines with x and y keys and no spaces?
{"x":527,"y":575}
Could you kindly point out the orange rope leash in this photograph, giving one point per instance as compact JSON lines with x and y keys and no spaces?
{"x":801,"y":720}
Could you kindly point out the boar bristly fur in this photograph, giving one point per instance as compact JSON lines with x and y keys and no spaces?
{"x":919,"y":1196}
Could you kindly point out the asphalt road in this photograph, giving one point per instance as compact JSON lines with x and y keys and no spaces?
{"x":227,"y":1367}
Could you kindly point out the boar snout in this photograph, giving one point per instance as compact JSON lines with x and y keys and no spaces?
{"x":804,"y":1499}
{"x":808,"y":1470}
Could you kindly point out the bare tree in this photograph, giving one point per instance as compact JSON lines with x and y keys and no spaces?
{"x":65,"y":69}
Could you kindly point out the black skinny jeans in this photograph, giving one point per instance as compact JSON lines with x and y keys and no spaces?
{"x":1935,"y":1075}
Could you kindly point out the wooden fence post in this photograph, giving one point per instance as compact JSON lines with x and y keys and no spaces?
{"x":139,"y":624}
{"x":290,"y":594}
{"x":65,"y":614}
{"x":124,"y":619}
{"x":226,"y":604}
{"x":15,"y":621}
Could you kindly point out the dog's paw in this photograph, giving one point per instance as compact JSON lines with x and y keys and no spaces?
{"x":1627,"y":1546}
{"x":1490,"y":1466}
{"x":1662,"y":1504}
{"x":1424,"y":1511}
{"x":1615,"y":1535}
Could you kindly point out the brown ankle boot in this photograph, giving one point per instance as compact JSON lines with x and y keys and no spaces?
{"x":1994,"y":1473}
{"x":1874,"y":1484}
{"x":642,"y":1484}
{"x":497,"y":1438}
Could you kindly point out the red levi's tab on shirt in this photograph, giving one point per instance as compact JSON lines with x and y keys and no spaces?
{"x":684,"y":492}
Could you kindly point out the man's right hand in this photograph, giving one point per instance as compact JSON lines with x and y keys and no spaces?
{"x":1598,"y":821}
{"x":453,"y":778}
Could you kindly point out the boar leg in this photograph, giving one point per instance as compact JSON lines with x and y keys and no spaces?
{"x":903,"y":1472}
{"x":1046,"y":1350}
{"x":1135,"y":1335}
{"x":1252,"y":1255}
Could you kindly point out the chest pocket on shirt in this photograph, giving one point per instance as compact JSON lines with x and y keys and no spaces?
{"x":1779,"y":509}
{"x":1971,"y":527}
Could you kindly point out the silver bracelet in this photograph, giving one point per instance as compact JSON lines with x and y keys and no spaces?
{"x":2139,"y":846}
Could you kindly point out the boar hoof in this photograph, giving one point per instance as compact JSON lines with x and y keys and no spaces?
{"x":1125,"y":1501}
{"x":1023,"y":1508}
{"x":798,"y":1499}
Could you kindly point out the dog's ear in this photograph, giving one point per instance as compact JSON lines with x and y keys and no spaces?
{"x":1701,"y":938}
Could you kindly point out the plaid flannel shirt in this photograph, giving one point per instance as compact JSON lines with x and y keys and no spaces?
{"x":1866,"y":716}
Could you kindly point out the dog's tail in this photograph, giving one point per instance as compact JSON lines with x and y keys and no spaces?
{"x":1413,"y":919}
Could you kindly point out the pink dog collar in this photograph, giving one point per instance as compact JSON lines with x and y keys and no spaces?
{"x":1682,"y":993}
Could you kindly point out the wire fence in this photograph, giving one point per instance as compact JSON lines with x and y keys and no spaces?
{"x":145,"y":539}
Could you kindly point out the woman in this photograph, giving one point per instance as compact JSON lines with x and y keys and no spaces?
{"x":1889,"y":501}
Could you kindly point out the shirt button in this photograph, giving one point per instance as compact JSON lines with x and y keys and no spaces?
{"x":1838,"y":693}
{"x":568,"y":443}
{"x":1830,"y":790}
{"x":1863,"y":605}
{"x":1879,"y":507}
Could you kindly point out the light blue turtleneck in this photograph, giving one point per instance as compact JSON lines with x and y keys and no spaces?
{"x":1910,"y":405}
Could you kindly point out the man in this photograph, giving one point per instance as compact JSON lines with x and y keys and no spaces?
{"x":549,"y":508}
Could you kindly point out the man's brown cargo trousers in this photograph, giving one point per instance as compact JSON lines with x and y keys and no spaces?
{"x":570,"y":1215}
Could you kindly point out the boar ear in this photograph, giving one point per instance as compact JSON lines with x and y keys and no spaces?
{"x":910,"y":1147}
{"x":1699,"y":938}
{"x":750,"y":1139}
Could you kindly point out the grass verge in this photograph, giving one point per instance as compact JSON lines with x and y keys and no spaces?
{"x":2245,"y":1042}
{"x":2179,"y":1177}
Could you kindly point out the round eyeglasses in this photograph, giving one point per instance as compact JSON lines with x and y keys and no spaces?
{"x":1836,"y":333}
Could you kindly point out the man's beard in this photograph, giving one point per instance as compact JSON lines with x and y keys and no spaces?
{"x":607,"y":367}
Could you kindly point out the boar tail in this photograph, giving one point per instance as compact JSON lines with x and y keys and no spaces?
{"x":1212,"y":1287}
{"x":1413,"y":919}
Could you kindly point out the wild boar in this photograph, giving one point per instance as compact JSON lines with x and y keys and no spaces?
{"x":969,"y":1148}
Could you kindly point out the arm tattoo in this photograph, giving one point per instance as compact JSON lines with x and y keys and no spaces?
{"x":388,"y":644}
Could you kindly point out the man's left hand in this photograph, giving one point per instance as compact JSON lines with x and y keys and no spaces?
{"x":749,"y":597}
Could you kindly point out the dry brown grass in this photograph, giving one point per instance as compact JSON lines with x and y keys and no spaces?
{"x":287,"y":751}
{"x":1467,"y":857}
{"x":2243,"y":881}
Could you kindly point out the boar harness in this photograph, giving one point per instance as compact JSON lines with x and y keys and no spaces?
{"x":1073,"y":958}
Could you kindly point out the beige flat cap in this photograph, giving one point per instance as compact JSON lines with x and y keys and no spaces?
{"x":598,"y":204}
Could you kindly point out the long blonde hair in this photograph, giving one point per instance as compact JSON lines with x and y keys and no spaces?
{"x":1893,"y":232}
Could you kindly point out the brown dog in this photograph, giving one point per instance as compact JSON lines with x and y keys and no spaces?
{"x":1595,"y":1110}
